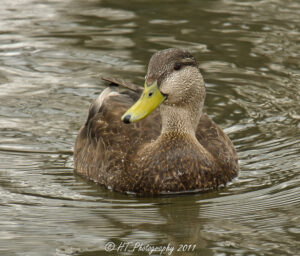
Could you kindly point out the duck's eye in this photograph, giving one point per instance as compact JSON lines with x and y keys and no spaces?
{"x":150,"y":94}
{"x":177,"y":66}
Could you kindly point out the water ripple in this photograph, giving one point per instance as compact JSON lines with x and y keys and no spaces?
{"x":52,"y":54}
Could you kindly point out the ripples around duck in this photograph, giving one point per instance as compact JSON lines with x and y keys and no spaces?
{"x":52,"y":54}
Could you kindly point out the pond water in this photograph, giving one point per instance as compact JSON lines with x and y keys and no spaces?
{"x":52,"y":54}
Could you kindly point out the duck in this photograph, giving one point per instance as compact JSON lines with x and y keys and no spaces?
{"x":156,"y":139}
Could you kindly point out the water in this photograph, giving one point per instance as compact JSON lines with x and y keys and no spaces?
{"x":52,"y":54}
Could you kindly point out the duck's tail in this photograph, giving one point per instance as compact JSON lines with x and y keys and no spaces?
{"x":121,"y":82}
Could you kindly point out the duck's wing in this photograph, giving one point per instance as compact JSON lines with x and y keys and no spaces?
{"x":214,"y":140}
{"x":105,"y":145}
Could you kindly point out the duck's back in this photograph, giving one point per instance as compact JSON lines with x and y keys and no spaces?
{"x":105,"y":145}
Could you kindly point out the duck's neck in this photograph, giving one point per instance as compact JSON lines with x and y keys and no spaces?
{"x":180,"y":119}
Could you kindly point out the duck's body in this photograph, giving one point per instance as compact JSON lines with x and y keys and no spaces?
{"x":179,"y":149}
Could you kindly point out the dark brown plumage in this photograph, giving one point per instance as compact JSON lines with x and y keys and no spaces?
{"x":139,"y":157}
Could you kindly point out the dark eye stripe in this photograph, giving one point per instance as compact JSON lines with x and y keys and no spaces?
{"x":178,"y":66}
{"x":188,"y":63}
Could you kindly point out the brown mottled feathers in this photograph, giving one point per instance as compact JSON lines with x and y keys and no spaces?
{"x":116,"y":155}
{"x":105,"y":145}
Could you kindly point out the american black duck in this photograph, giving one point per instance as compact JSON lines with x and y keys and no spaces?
{"x":176,"y":149}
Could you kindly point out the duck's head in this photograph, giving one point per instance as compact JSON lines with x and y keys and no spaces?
{"x":173,"y":78}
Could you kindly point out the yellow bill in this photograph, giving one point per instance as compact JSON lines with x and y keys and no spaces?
{"x":151,"y":98}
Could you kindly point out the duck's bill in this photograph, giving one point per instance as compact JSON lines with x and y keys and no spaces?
{"x":151,"y":98}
